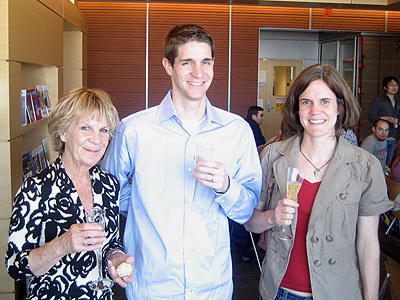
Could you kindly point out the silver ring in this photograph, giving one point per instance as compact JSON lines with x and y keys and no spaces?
{"x":85,"y":243}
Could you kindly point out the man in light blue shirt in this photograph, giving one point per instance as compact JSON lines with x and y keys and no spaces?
{"x":177,"y":226}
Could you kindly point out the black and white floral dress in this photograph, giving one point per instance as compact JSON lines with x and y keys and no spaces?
{"x":45,"y":207}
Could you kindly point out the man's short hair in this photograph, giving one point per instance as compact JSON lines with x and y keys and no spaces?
{"x":381,"y":120}
{"x":253,"y":110}
{"x":182,"y":34}
{"x":388,"y":79}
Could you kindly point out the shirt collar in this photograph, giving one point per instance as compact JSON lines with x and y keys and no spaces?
{"x":166,"y":110}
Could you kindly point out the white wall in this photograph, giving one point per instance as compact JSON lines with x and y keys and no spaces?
{"x":289,"y":45}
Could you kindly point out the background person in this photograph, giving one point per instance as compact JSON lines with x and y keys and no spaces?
{"x":50,"y":242}
{"x":177,"y":226}
{"x":255,"y":117}
{"x":335,"y":250}
{"x":376,"y":142}
{"x":386,"y":107}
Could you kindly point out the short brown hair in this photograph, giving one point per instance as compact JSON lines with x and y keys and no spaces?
{"x":182,"y":34}
{"x":76,"y":103}
{"x":348,"y":107}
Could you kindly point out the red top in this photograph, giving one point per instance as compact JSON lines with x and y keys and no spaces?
{"x":297,"y":276}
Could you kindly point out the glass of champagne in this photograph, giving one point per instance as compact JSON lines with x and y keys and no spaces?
{"x":97,"y":215}
{"x":204,"y":151}
{"x":295,"y":178}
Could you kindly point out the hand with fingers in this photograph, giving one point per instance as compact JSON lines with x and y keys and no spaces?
{"x":117,"y":260}
{"x":82,"y":237}
{"x":212,"y":174}
{"x":284,"y":212}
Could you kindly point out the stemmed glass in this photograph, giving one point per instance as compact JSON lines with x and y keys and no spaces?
{"x":294,"y":181}
{"x":204,"y":151}
{"x":97,"y":215}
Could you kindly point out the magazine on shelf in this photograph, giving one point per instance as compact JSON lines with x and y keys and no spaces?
{"x":37,"y":104}
{"x":27,"y":165}
{"x":46,"y":150}
{"x":44,"y":99}
{"x":23,"y":108}
{"x":30,"y":107}
{"x":41,"y":157}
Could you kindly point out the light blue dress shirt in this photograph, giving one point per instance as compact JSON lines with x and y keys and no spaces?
{"x":181,"y":253}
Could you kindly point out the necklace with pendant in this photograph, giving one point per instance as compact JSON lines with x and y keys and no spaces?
{"x":317,"y":172}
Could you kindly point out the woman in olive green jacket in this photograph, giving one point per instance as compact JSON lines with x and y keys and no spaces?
{"x":334,"y":253}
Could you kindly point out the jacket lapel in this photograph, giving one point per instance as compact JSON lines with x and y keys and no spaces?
{"x":336,"y":177}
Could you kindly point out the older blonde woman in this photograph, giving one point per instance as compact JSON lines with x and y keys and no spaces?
{"x":50,"y":242}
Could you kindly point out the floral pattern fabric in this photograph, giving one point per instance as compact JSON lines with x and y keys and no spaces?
{"x":45,"y":207}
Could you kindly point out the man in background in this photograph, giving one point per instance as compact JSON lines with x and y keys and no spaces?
{"x":177,"y":226}
{"x":386,"y":107}
{"x":376,"y":142}
{"x":255,"y":117}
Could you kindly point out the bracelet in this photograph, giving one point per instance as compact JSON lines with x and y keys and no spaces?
{"x":113,"y":251}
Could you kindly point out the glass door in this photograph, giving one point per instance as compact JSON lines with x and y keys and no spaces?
{"x":342,"y":54}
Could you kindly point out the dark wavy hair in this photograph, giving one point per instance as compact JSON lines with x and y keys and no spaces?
{"x":182,"y":34}
{"x":348,"y":107}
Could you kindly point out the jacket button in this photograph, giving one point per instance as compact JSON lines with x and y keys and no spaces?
{"x":332,"y":261}
{"x":329,"y":238}
{"x":315,"y":239}
{"x":317,"y":263}
{"x":343,"y":196}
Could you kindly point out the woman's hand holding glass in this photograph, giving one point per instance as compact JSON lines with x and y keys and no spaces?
{"x":83,"y":237}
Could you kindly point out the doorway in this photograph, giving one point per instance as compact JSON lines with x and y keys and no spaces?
{"x":275,"y":79}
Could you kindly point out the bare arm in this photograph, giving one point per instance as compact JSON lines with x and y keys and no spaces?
{"x":42,"y":259}
{"x":283,"y":214}
{"x":368,"y":255}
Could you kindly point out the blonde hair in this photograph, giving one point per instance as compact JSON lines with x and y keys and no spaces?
{"x":75,"y":104}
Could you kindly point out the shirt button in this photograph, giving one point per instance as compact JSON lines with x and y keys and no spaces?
{"x":190,"y":169}
{"x":315,"y":239}
{"x":189,"y":200}
{"x":317,"y":263}
{"x":332,"y":261}
{"x":329,"y":238}
{"x":343,"y":196}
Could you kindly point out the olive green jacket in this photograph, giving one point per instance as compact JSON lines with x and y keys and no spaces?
{"x":353,"y":186}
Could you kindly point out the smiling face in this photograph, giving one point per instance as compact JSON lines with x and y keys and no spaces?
{"x":318,"y":110}
{"x":86,"y":140}
{"x":192,"y":72}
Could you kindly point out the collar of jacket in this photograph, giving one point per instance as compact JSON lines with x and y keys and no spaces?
{"x":336,"y":177}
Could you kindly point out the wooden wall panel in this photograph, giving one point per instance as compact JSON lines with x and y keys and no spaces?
{"x":117,"y":45}
{"x":349,"y":19}
{"x":213,"y":18}
{"x":116,"y":52}
{"x":246,"y":22}
{"x":393,"y":24}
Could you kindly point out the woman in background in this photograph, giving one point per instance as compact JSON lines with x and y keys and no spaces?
{"x":50,"y":242}
{"x":334,"y":253}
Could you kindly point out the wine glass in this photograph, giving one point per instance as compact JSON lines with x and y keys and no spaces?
{"x":204,"y":151}
{"x":294,"y":181}
{"x":97,"y":215}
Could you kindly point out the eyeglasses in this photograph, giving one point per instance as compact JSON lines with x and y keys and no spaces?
{"x":393,"y":84}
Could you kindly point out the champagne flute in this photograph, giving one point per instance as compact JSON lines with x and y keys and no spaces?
{"x":294,"y":181}
{"x":97,"y":215}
